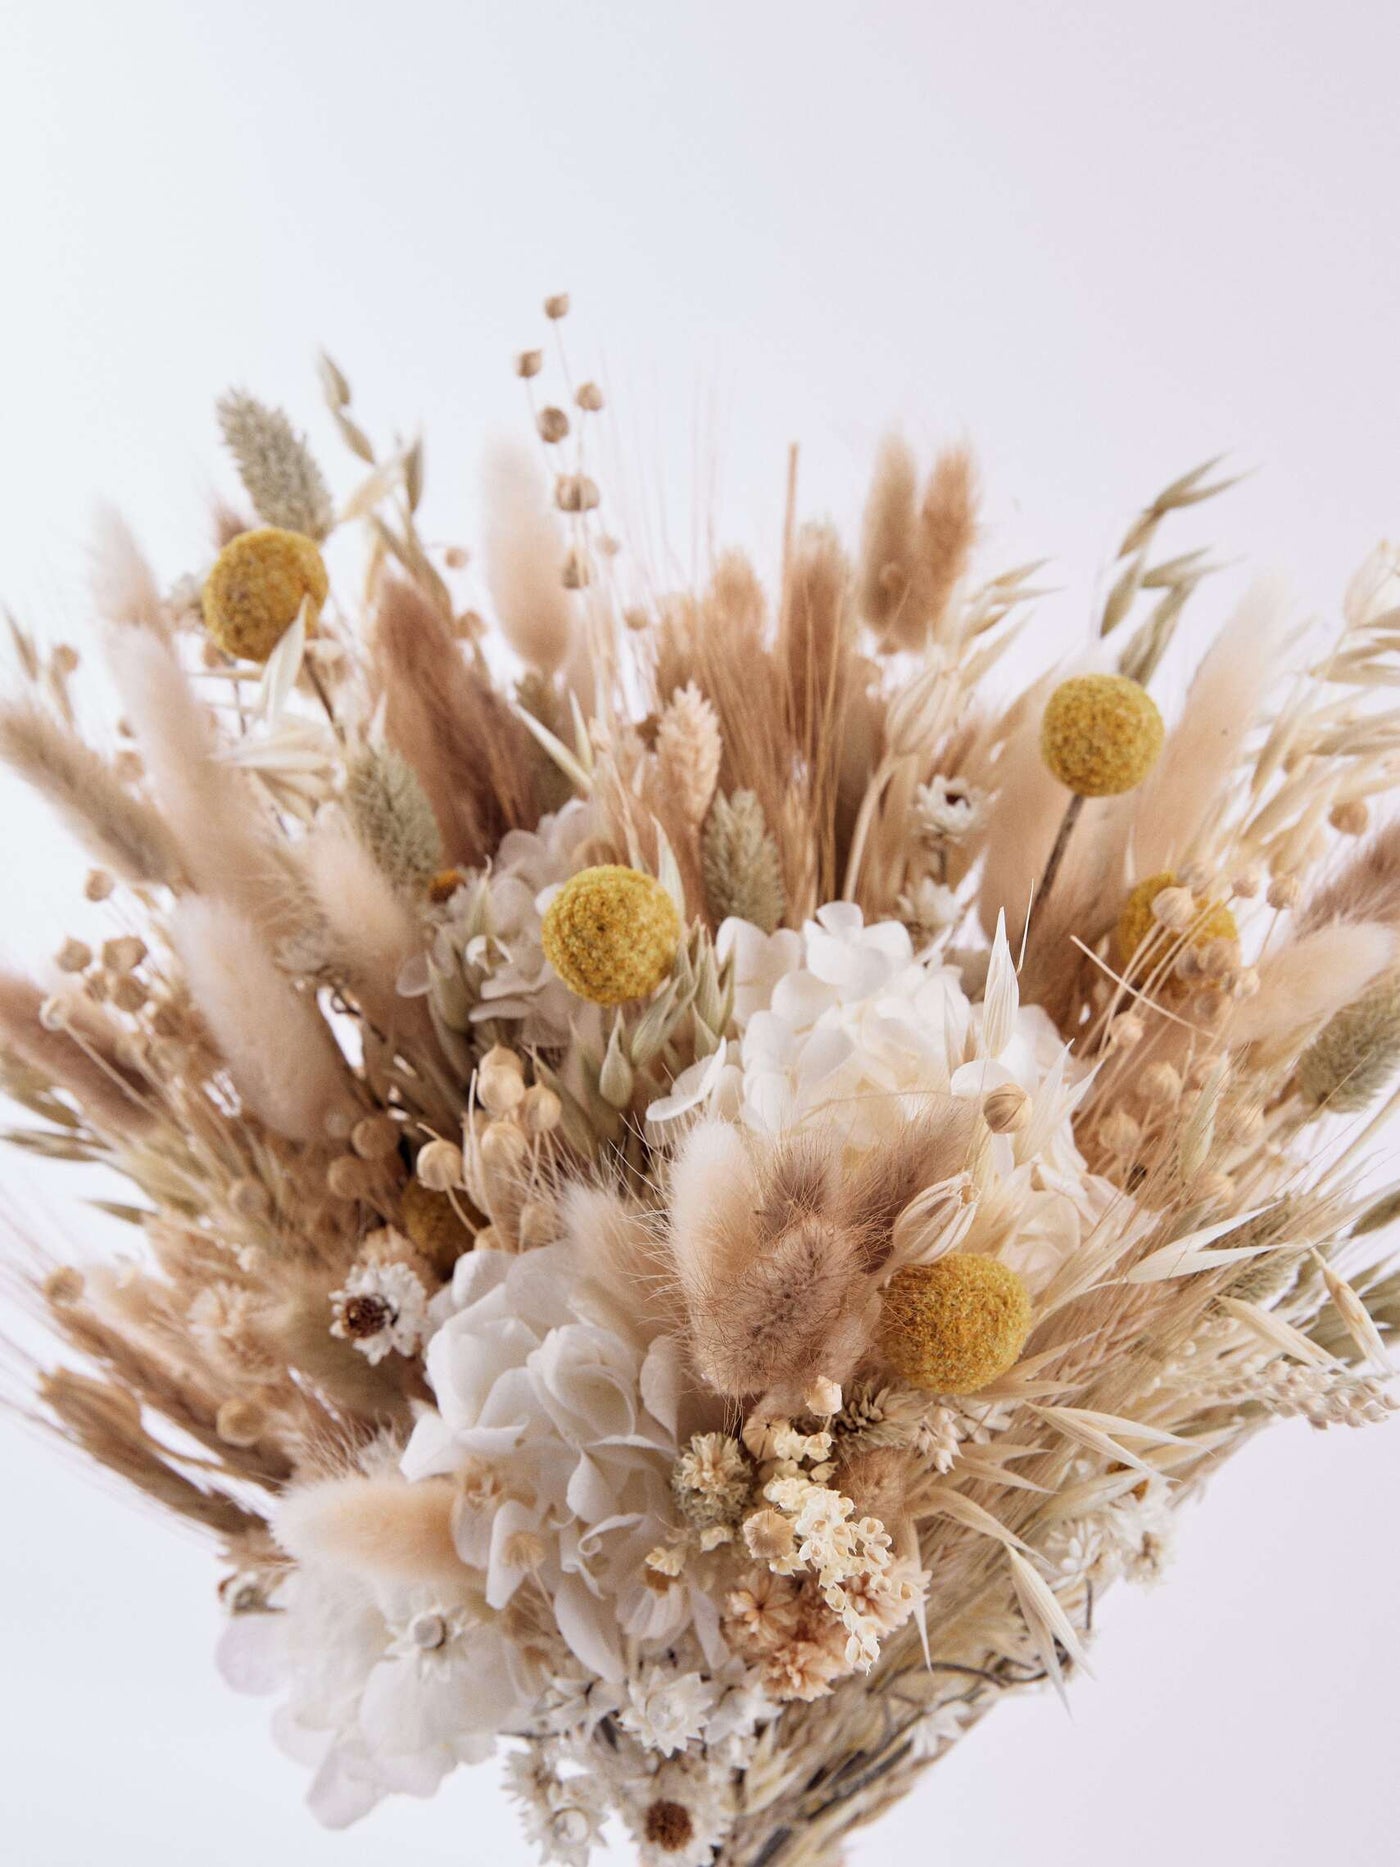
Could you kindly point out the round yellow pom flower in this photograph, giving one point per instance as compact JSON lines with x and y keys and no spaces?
{"x":611,"y":934}
{"x":1212,"y":920}
{"x":257,"y":585}
{"x":952,"y":1326}
{"x":1101,"y":734}
{"x":430,"y":1222}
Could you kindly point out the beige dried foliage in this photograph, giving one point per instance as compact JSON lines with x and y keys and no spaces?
{"x":471,"y":754}
{"x":105,"y":1421}
{"x":947,"y":535}
{"x":1365,"y":888}
{"x":80,"y":1058}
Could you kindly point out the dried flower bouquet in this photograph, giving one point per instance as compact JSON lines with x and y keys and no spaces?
{"x":703,"y":1180}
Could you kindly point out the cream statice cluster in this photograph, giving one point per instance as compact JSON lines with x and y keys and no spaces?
{"x":703,"y":1174}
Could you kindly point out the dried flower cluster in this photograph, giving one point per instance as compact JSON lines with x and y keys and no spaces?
{"x":700,"y":1183}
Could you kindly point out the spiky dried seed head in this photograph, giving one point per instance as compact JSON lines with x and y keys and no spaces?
{"x":589,"y":397}
{"x":1101,"y":734}
{"x":556,"y":306}
{"x":1356,"y":1053}
{"x":553,"y":424}
{"x":529,"y":363}
{"x":953,"y":1326}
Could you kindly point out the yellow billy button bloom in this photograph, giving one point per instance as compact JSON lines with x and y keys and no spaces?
{"x":611,"y":934}
{"x":259,"y":582}
{"x":1101,"y":734}
{"x":952,"y":1326}
{"x":1210,"y":920}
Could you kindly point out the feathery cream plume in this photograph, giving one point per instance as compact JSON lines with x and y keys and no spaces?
{"x":368,"y":933}
{"x":947,"y":534}
{"x":279,"y":1051}
{"x":123,"y":584}
{"x":1191,"y":779}
{"x":384,"y":1529}
{"x":525,"y":551}
{"x":1365,"y":888}
{"x":117,"y":827}
{"x":889,"y":545}
{"x":1312,"y":979}
{"x":224,"y":841}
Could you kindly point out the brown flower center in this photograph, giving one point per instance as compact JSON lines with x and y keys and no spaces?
{"x":668,"y":1826}
{"x":365,"y":1316}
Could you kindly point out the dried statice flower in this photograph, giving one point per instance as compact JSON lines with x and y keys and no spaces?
{"x":711,"y":1482}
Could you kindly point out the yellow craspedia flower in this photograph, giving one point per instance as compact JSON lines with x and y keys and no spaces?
{"x":1101,"y":734}
{"x":611,"y":934}
{"x":952,"y":1326}
{"x":1212,"y":919}
{"x":430,"y":1221}
{"x":257,"y":585}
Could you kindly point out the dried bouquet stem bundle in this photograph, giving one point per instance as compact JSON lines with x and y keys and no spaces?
{"x":707,"y":1177}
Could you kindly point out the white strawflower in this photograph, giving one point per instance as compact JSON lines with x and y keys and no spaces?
{"x":666,"y":1710}
{"x":385,"y":1688}
{"x":381,"y":1308}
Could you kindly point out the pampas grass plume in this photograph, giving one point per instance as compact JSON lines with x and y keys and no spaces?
{"x":524,"y":553}
{"x":279,"y":1051}
{"x":382,"y":1529}
{"x":119,"y":829}
{"x":222,"y":837}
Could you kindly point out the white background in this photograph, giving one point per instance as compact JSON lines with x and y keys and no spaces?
{"x":1103,"y":240}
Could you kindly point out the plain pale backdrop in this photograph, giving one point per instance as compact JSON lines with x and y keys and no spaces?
{"x":1103,"y":240}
